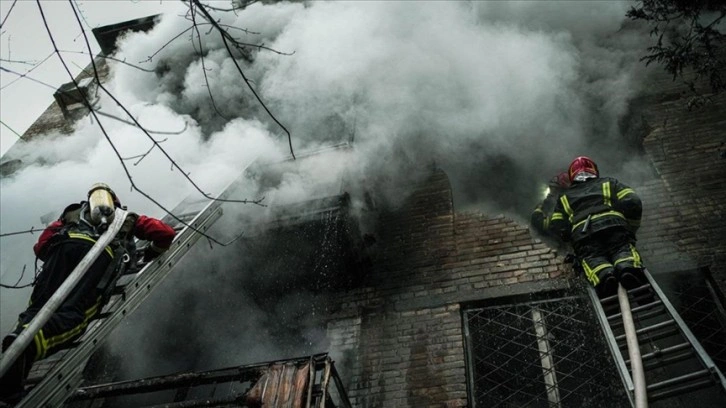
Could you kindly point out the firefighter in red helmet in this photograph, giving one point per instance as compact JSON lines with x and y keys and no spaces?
{"x":600,"y":216}
{"x":61,"y":247}
{"x":540,"y":217}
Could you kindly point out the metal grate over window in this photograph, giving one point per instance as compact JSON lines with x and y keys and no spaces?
{"x":697,"y":300}
{"x":547,"y":353}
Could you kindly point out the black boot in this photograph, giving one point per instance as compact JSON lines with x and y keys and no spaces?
{"x":632,"y":278}
{"x":608,"y":285}
{"x":12,"y":384}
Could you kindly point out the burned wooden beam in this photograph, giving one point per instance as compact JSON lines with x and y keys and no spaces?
{"x":283,"y":384}
{"x":174,"y":381}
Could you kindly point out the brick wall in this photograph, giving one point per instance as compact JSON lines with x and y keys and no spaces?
{"x":398,"y":340}
{"x":685,"y":206}
{"x":50,"y":123}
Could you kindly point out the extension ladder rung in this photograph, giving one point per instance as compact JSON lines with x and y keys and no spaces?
{"x":680,"y":379}
{"x":663,"y":352}
{"x":653,"y":337}
{"x":683,"y":356}
{"x":682,"y":389}
{"x":649,"y":329}
{"x":641,"y":317}
{"x":634,"y":291}
{"x":616,"y":317}
{"x":652,"y":304}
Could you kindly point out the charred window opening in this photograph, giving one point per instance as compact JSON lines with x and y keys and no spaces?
{"x":106,"y":36}
{"x":314,"y":246}
{"x":541,"y":353}
{"x":72,"y":99}
{"x":307,"y":239}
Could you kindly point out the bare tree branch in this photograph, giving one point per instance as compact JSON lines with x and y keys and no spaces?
{"x":150,"y":58}
{"x":105,"y":134}
{"x":28,"y":77}
{"x":12,"y":130}
{"x":165,"y":45}
{"x":30,"y":231}
{"x":8,"y":15}
{"x":18,"y":62}
{"x":20,"y":76}
{"x":143,"y":155}
{"x":22,"y":273}
{"x":83,"y":16}
{"x":224,"y":34}
{"x":156,"y":132}
{"x":166,"y":154}
{"x":204,"y":69}
{"x":242,"y":7}
{"x":109,"y":58}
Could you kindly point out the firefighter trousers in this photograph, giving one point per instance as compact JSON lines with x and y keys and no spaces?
{"x":608,"y":252}
{"x":70,"y":320}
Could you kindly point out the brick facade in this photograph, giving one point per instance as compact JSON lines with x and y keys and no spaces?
{"x":684,"y":207}
{"x":399,"y":338}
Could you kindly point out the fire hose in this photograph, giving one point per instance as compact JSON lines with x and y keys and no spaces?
{"x":636,"y":362}
{"x":60,"y":295}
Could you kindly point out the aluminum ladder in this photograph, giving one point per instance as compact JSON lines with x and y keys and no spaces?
{"x":66,"y":374}
{"x":674,"y":361}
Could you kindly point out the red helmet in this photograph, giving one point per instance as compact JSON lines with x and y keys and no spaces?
{"x":580,"y":164}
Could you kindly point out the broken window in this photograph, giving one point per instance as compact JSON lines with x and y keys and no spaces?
{"x":541,"y":353}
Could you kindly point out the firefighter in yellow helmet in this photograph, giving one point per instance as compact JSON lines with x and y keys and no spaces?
{"x":61,"y":247}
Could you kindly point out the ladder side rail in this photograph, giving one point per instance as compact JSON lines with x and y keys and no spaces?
{"x":209,"y":207}
{"x":700,"y":352}
{"x":59,"y":296}
{"x":340,"y":389}
{"x":62,"y":380}
{"x":613,"y":345}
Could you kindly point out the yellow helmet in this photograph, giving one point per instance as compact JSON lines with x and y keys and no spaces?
{"x":102,"y":202}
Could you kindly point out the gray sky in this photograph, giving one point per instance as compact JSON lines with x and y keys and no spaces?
{"x":24,"y":38}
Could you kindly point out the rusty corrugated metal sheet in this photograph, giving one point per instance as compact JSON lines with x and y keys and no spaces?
{"x":281,"y":386}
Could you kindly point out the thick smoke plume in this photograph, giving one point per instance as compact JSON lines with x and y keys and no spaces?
{"x":500,"y":95}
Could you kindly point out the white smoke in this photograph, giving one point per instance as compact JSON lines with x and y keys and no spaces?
{"x":500,"y":94}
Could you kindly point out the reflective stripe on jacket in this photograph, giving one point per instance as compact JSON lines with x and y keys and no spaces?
{"x":594,"y":205}
{"x":146,"y":228}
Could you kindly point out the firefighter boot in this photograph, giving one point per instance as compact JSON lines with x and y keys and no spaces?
{"x":608,"y":285}
{"x":12,"y":384}
{"x":632,"y":278}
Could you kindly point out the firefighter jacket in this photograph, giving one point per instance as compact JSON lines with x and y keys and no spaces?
{"x":594,"y":205}
{"x":70,"y":226}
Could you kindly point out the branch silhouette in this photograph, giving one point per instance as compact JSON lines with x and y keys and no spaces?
{"x":105,"y":134}
{"x":226,"y":38}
